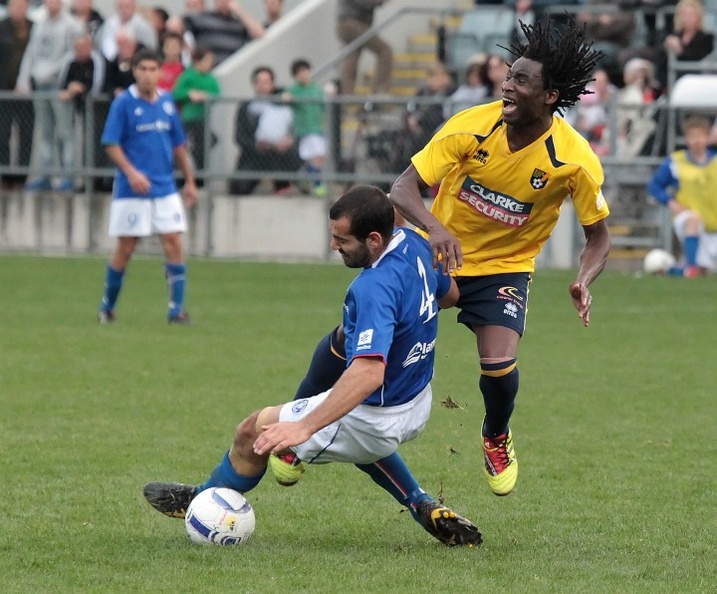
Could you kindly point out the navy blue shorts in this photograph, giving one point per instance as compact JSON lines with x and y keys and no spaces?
{"x":494,"y":300}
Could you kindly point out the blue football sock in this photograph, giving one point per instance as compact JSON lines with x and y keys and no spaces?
{"x":327,"y":364}
{"x":113,"y":286}
{"x":499,"y":385}
{"x":692,"y":243}
{"x":176,"y":282}
{"x":224,"y":475}
{"x":392,"y":475}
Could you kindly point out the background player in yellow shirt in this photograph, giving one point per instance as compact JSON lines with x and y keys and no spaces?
{"x":505,"y":168}
{"x":685,"y":183}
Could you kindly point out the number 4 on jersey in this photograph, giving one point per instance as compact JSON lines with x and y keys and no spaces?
{"x":428,"y":299}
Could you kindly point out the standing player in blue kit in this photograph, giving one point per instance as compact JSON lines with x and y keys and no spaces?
{"x":143,"y":135}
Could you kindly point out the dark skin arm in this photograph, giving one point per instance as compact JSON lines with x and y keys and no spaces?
{"x":406,"y":197}
{"x":592,"y":262}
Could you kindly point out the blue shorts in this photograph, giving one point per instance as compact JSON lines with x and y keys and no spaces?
{"x":494,"y":300}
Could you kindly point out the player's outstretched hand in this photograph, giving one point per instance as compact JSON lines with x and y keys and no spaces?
{"x":582,"y":300}
{"x":446,"y":249}
{"x":278,"y":437}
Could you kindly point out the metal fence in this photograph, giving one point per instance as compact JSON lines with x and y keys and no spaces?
{"x":366,"y":142}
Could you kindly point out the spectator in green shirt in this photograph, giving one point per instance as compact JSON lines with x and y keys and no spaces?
{"x":193,"y":88}
{"x":308,"y":104}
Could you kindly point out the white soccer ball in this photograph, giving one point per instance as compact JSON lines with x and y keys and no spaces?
{"x":658,"y":261}
{"x":220,"y":516}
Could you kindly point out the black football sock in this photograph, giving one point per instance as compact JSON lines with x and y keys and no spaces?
{"x":499,"y":385}
{"x":327,"y":365}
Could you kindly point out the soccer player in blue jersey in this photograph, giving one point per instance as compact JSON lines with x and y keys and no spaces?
{"x":383,"y":398}
{"x":144,"y":136}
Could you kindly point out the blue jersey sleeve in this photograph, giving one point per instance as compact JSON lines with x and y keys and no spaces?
{"x":662,"y":182}
{"x":115,"y":123}
{"x":374,"y":308}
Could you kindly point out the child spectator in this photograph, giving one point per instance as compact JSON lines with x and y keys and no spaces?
{"x":172,"y":65}
{"x":308,"y":121}
{"x":685,"y":184}
{"x":193,"y":87}
{"x":175,"y":25}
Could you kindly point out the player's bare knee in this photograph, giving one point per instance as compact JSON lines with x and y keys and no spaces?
{"x":266,"y":416}
{"x":246,"y":434}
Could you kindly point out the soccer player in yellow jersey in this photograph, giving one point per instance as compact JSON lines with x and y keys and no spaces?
{"x":685,"y":183}
{"x":504,"y":170}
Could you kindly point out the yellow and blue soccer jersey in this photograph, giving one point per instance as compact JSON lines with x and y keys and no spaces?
{"x":391,"y":311}
{"x":147,"y":132}
{"x":693,"y":184}
{"x":502,"y":205}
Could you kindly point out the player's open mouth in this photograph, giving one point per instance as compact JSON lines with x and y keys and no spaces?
{"x":509,"y":106}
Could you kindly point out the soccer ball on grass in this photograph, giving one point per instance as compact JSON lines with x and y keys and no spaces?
{"x":220,"y":516}
{"x":658,"y":261}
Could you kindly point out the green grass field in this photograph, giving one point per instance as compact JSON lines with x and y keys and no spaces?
{"x":615,"y":431}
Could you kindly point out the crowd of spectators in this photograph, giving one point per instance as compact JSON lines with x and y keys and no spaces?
{"x":55,"y":59}
{"x":70,"y":54}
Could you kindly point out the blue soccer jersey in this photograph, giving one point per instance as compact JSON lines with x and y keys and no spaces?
{"x":391,"y":311}
{"x":147,"y":132}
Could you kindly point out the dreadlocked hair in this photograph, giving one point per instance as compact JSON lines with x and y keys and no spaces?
{"x":568,"y":59}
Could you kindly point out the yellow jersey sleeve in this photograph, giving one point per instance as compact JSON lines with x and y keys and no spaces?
{"x":456,"y":142}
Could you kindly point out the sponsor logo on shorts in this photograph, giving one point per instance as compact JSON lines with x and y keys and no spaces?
{"x":299,"y":405}
{"x":511,"y":309}
{"x":365,"y":339}
{"x":494,"y":205}
{"x":418,"y":351}
{"x":132,"y":219}
{"x":512,"y":295}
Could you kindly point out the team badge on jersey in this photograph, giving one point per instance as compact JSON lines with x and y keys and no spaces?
{"x":539,"y":179}
{"x":168,"y":107}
